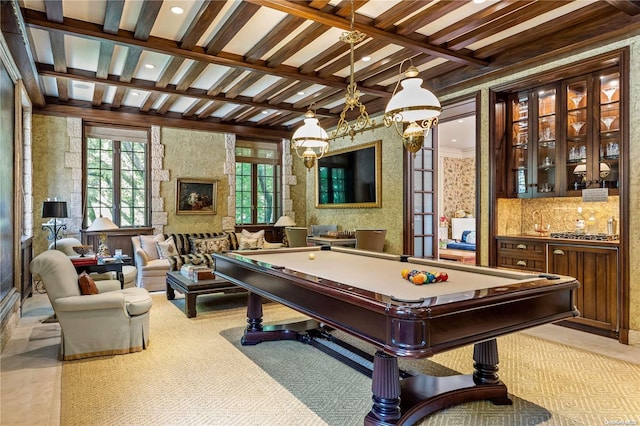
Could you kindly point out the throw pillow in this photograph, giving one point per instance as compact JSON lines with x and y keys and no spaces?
{"x":471,"y":237}
{"x":148,"y":245}
{"x":209,"y":245}
{"x":166,"y":248}
{"x":251,"y":239}
{"x":87,"y":285}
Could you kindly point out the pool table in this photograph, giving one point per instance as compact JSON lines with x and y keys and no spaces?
{"x":363,"y":294}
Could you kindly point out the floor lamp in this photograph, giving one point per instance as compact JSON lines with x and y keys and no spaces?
{"x":54,"y":209}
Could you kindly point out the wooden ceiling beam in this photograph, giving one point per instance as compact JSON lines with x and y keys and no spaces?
{"x":133,"y":117}
{"x":282,"y":30}
{"x":148,"y":86}
{"x":243,"y":84}
{"x":272,"y":90}
{"x":208,"y":11}
{"x":90,"y":30}
{"x":359,"y":51}
{"x":195,"y":107}
{"x":146,"y":18}
{"x":430,"y":14}
{"x":307,"y":35}
{"x":112,"y":16}
{"x":17,"y":40}
{"x":230,"y":28}
{"x":306,"y":12}
{"x":630,"y":7}
{"x":53,"y":8}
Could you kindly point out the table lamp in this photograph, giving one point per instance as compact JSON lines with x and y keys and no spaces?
{"x":102,"y":224}
{"x":282,"y":222}
{"x":54,"y":209}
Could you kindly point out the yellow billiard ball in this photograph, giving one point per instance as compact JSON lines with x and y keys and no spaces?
{"x":312,"y":256}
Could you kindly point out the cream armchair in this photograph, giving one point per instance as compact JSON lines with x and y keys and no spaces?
{"x":114,"y":321}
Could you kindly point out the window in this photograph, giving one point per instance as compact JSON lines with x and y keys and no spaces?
{"x":257,"y":182}
{"x":332,"y":185}
{"x":115,"y":173}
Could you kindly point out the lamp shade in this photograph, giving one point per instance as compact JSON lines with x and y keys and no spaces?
{"x":311,"y":134}
{"x":413,"y":102}
{"x":284,"y":221}
{"x":54,"y":209}
{"x":102,"y":224}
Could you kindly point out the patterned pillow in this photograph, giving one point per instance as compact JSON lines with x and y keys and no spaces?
{"x":250,"y":240}
{"x":148,"y":245}
{"x":167,"y":248}
{"x":209,"y":245}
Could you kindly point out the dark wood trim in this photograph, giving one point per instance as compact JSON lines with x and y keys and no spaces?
{"x":131,"y":116}
{"x":624,"y":264}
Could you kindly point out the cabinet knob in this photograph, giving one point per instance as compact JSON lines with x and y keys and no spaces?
{"x":558,"y":252}
{"x":521,"y":263}
{"x":521,"y":246}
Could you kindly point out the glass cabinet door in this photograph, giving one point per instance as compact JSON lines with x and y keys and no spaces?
{"x":519,"y":155}
{"x":545,"y":150}
{"x":609,"y":130}
{"x":577,"y":97}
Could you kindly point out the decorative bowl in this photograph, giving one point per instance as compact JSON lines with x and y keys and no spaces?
{"x":82,"y":250}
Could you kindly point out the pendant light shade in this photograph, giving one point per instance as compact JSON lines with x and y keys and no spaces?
{"x":310,"y":141}
{"x":415,"y":106}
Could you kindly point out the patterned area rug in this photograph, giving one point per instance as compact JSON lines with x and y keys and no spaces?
{"x":196,"y":373}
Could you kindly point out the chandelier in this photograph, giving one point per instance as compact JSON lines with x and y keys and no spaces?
{"x":352,"y":97}
{"x":414,"y":105}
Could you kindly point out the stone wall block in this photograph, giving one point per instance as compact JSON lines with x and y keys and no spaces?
{"x":228,"y":223}
{"x":157,"y":151}
{"x":155,"y":188}
{"x":160,"y":175}
{"x":74,"y":127}
{"x":157,"y":204}
{"x":71,"y":159}
{"x":291,"y":180}
{"x":156,"y":163}
{"x":155,"y":135}
{"x":75,"y":144}
{"x":159,"y":218}
{"x":288,"y":205}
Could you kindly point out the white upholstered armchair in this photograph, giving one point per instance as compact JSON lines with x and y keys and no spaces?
{"x":114,"y":321}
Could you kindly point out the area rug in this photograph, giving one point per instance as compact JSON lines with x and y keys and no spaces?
{"x":196,"y":373}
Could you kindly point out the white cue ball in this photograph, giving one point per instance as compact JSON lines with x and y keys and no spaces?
{"x":312,"y":256}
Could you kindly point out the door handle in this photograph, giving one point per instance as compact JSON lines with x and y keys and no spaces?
{"x":558,"y":252}
{"x":521,"y":263}
{"x":521,"y":246}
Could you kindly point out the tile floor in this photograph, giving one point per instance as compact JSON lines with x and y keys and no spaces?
{"x":31,"y":373}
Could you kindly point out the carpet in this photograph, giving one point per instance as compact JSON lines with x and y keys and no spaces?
{"x":196,"y":373}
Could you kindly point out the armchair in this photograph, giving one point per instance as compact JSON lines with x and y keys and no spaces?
{"x":296,"y":236}
{"x":66,"y":246}
{"x":370,"y":239}
{"x":114,"y":321}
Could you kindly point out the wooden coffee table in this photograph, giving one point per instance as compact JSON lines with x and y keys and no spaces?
{"x":192,"y":289}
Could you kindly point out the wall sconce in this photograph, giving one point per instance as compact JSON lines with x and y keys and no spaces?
{"x":54,"y":209}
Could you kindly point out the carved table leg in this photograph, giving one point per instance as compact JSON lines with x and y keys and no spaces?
{"x":485,"y":364}
{"x":385,"y":386}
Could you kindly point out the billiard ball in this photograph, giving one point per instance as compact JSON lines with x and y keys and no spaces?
{"x":312,"y":256}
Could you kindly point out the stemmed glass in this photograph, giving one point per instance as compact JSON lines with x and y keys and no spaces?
{"x":576,"y":98}
{"x":577,"y":126}
{"x":609,"y":91}
{"x":608,"y":121}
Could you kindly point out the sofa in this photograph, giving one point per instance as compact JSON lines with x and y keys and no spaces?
{"x":467,"y":242}
{"x":154,"y":257}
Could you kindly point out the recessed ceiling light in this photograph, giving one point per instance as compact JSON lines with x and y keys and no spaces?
{"x":461,"y":121}
{"x":150,"y":66}
{"x":454,"y":140}
{"x":366,"y":58}
{"x":301,"y":93}
{"x":177,"y":10}
{"x":478,"y":1}
{"x":135,"y":94}
{"x":265,"y":112}
{"x":81,"y":86}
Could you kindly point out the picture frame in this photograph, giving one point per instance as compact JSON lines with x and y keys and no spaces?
{"x":196,"y":196}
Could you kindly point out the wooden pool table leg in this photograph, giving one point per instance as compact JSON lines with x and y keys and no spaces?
{"x":256,"y":333}
{"x":406,"y":401}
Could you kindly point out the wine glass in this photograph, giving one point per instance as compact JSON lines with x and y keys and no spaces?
{"x":608,"y":121}
{"x":576,"y":98}
{"x":608,"y":92}
{"x":577,"y":126}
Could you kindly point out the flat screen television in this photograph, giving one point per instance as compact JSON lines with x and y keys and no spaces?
{"x":350,"y":177}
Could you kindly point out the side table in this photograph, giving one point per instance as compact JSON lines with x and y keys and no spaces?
{"x":101,"y":266}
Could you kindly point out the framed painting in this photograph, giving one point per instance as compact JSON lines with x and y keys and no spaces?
{"x":194,"y":196}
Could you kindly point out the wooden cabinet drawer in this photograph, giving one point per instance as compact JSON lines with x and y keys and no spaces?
{"x":528,"y":256}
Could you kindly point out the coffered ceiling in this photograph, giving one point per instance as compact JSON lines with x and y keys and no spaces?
{"x":254,"y":66}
